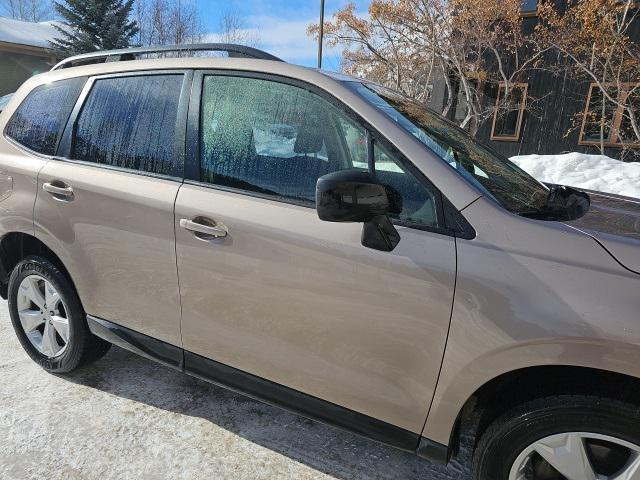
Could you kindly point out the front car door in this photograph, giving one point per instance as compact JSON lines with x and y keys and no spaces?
{"x":106,"y":209}
{"x":289,"y":298}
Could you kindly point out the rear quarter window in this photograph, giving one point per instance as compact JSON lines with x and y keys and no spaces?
{"x":40,"y":119}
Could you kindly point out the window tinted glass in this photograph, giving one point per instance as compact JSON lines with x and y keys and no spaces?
{"x":130,"y":122}
{"x":39,"y":120}
{"x":410,"y":200}
{"x":272,"y":138}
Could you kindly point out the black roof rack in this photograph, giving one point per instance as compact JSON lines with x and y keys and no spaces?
{"x":238,"y":51}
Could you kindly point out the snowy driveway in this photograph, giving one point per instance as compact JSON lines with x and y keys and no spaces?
{"x":128,"y":418}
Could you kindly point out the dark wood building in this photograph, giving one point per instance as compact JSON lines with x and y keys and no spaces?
{"x":550,"y":113}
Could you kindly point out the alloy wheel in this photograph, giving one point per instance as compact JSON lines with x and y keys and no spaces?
{"x":43,"y":315}
{"x":578,"y":456}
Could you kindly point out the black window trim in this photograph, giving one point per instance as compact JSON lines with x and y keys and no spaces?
{"x":63,"y":152}
{"x":21,"y":146}
{"x":192,"y":157}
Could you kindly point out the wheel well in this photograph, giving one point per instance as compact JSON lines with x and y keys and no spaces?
{"x":514,"y":388}
{"x":14,"y":247}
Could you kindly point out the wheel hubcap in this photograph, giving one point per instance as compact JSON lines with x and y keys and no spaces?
{"x":578,"y":456}
{"x":43,"y":316}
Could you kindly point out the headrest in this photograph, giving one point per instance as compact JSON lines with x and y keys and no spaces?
{"x":234,"y":138}
{"x":311,"y":135}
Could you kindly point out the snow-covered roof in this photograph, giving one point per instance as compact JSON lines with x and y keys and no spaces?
{"x":27,"y":33}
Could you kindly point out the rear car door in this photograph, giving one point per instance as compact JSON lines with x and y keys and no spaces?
{"x":269,"y":289}
{"x":30,"y":138}
{"x":105,"y":206}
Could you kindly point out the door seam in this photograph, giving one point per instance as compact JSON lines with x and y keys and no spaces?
{"x":446,"y":342}
{"x":175,"y":253}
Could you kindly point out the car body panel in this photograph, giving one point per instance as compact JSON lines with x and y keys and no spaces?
{"x":18,"y":188}
{"x":300,"y":302}
{"x":280,"y":288}
{"x":614,"y":221}
{"x":116,"y":238}
{"x":18,"y":177}
{"x":532,"y":293}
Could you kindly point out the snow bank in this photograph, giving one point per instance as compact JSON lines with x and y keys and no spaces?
{"x":593,"y":172}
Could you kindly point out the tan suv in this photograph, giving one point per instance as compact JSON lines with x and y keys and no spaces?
{"x":322,"y":244}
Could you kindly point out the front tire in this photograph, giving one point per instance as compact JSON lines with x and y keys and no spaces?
{"x":562,"y":438}
{"x":48,"y":317}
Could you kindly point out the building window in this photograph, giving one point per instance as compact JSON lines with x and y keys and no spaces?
{"x":507,"y":119}
{"x":529,"y":8}
{"x":608,"y":122}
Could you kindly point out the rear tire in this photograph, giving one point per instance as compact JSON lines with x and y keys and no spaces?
{"x":55,"y":336}
{"x":563,"y":429}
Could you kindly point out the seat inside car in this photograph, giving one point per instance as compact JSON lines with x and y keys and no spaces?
{"x":236,"y":160}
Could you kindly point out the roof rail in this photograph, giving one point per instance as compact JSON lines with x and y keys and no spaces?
{"x":133,"y":53}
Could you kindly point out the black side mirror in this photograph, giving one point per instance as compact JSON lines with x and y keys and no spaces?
{"x":354,"y":196}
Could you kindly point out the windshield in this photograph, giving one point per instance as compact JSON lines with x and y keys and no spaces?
{"x":4,"y":100}
{"x":493,"y":174}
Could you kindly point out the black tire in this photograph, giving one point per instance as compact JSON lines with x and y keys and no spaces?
{"x":82,"y":346}
{"x":509,"y":435}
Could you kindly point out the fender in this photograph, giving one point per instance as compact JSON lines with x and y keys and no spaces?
{"x":456,"y":388}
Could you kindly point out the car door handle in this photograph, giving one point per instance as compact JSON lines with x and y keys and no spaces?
{"x":216,"y":230}
{"x":61,"y":190}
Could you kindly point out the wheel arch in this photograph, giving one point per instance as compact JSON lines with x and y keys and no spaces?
{"x":514,"y":387}
{"x":14,"y":246}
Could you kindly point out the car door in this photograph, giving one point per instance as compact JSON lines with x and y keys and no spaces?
{"x":30,"y":138}
{"x":106,"y":208}
{"x":269,"y":289}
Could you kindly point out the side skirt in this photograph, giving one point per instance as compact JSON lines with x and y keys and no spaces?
{"x":139,"y":343}
{"x":267,"y":391}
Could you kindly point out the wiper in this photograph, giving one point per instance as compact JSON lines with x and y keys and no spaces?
{"x":563,"y":204}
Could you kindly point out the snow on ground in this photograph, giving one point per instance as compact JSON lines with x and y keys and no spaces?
{"x":125,"y":417}
{"x":592,"y":172}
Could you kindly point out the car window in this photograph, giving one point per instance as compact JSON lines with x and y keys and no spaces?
{"x":494,"y":175}
{"x":40,"y":119}
{"x":411,"y":201}
{"x":130,"y":122}
{"x":276,"y":139}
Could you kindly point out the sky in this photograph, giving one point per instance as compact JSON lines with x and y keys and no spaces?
{"x":280,"y":25}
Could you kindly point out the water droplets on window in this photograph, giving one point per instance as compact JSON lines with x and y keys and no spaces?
{"x":39,"y":120}
{"x":130,"y":122}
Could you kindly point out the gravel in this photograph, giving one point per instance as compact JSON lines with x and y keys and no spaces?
{"x":125,"y":417}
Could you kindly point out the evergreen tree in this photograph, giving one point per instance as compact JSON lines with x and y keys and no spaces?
{"x":91,"y":25}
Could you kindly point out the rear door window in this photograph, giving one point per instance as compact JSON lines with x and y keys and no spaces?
{"x":40,"y":119}
{"x":130,"y":122}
